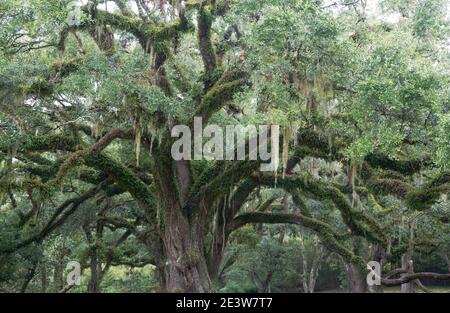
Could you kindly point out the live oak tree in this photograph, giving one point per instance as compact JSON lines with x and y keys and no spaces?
{"x":87,"y":110}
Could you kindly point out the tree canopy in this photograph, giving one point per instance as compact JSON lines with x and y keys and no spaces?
{"x":90,"y":92}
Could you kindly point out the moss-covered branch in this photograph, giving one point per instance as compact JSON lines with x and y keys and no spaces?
{"x":406,"y":167}
{"x":57,"y":219}
{"x":389,"y":186}
{"x":423,"y":198}
{"x":92,"y":156}
{"x":208,"y":189}
{"x":411,"y":277}
{"x":147,"y":32}
{"x":55,"y":173}
{"x":223,"y":91}
{"x":420,"y":198}
{"x":324,"y":231}
{"x":359,"y":222}
{"x":205,"y":19}
{"x":314,"y":140}
{"x":127,"y":180}
{"x":53,"y":142}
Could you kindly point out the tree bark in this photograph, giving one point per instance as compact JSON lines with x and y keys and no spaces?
{"x":221,"y":229}
{"x":356,"y":279}
{"x":407,"y":264}
{"x":43,"y":278}
{"x":183,"y":235}
{"x":94,"y":265}
{"x":94,"y":282}
{"x":58,"y":277}
{"x":448,"y":261}
{"x":155,"y":248}
{"x":28,"y":277}
{"x":220,"y":237}
{"x":183,"y":244}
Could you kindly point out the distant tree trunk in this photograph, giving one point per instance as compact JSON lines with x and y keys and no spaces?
{"x":94,"y":281}
{"x":407,"y":264}
{"x":58,"y":277}
{"x":94,"y":264}
{"x":448,"y":261}
{"x":310,"y":277}
{"x":314,"y":169}
{"x":28,"y":277}
{"x":161,"y":277}
{"x":285,"y":210}
{"x":263,"y":284}
{"x":155,"y":247}
{"x":43,"y":278}
{"x":310,"y":271}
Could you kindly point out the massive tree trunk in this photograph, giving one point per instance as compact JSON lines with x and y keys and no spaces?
{"x":356,"y":275}
{"x":183,"y":235}
{"x":356,"y":279}
{"x":183,"y":244}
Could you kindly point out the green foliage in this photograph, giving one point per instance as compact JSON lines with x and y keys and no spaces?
{"x":123,"y":280}
{"x":442,"y":155}
{"x":429,"y":19}
{"x":85,"y":119}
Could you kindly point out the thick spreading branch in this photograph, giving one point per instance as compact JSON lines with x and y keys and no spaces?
{"x":223,"y":91}
{"x":325,"y":232}
{"x":205,"y":19}
{"x":406,"y":278}
{"x":359,"y":222}
{"x":58,"y":218}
